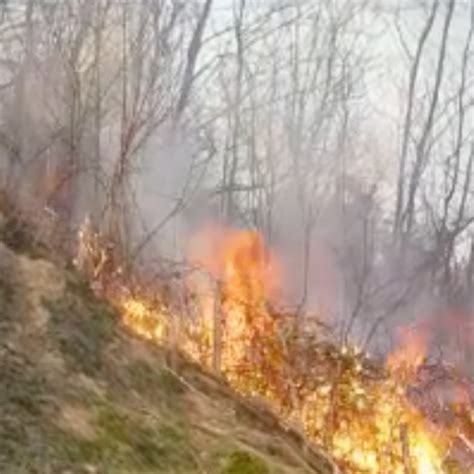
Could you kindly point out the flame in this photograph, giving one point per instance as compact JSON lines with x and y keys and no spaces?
{"x":373,"y":427}
{"x":410,"y":355}
{"x":366,"y":422}
{"x":245,"y":275}
{"x":144,"y":319}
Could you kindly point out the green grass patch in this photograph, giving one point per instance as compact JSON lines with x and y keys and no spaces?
{"x":124,"y":442}
{"x":170,"y":383}
{"x":243,"y":462}
{"x":82,"y":326}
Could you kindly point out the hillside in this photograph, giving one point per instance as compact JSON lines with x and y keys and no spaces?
{"x":79,"y":394}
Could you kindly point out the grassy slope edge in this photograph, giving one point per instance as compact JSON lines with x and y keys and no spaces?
{"x":81,"y":395}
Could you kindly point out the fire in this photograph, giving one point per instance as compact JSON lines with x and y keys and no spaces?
{"x":407,"y":358}
{"x":362,"y":416}
{"x":143,"y":319}
{"x":245,"y":275}
{"x":371,"y":424}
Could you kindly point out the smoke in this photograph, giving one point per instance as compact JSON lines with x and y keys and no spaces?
{"x":173,"y":196}
{"x":308,"y":161}
{"x":343,"y":270}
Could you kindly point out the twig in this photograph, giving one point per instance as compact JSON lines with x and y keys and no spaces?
{"x":467,"y":443}
{"x":406,"y":449}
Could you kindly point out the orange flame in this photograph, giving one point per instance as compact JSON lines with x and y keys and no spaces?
{"x":368,"y":425}
{"x":411,"y":353}
{"x":246,"y":276}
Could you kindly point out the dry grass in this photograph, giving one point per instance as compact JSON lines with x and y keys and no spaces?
{"x":80,"y":395}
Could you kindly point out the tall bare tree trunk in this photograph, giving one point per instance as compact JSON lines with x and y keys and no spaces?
{"x":400,"y":200}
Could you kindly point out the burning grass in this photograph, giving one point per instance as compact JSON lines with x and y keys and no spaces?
{"x":81,"y":395}
{"x":356,"y":409}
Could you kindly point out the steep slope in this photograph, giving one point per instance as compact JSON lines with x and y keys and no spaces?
{"x":81,"y":395}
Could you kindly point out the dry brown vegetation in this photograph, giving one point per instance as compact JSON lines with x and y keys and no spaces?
{"x":80,"y":394}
